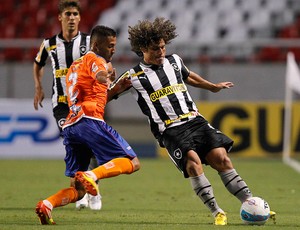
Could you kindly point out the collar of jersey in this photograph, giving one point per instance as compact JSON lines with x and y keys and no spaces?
{"x":154,"y":67}
{"x":60,"y":36}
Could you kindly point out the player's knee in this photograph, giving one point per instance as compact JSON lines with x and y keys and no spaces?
{"x":194,"y":168}
{"x":223,"y":163}
{"x":136,"y":164}
{"x":219,"y":160}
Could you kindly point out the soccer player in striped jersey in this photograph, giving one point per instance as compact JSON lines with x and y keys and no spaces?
{"x":63,"y":48}
{"x":85,"y":131}
{"x":158,"y":83}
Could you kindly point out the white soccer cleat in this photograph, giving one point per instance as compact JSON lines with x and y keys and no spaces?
{"x":83,"y":203}
{"x":95,"y":202}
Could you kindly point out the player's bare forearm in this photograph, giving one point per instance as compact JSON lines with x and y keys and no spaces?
{"x":111,"y":94}
{"x":118,"y":88}
{"x":199,"y":82}
{"x":39,"y":95}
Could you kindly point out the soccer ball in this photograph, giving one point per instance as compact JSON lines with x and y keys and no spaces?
{"x":255,"y":211}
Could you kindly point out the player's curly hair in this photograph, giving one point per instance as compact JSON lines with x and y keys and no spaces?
{"x":63,"y":4}
{"x":143,"y":34}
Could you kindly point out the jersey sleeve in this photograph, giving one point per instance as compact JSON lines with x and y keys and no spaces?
{"x":42,"y":55}
{"x":96,"y":64}
{"x":184,"y":70}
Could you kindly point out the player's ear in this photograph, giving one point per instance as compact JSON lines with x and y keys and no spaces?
{"x":59,"y":17}
{"x":143,"y":50}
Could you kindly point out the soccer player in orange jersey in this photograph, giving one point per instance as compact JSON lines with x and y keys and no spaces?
{"x":62,"y":49}
{"x":85,"y":132}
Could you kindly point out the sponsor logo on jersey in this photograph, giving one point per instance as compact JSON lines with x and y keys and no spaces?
{"x":137,"y":74}
{"x":61,"y":72}
{"x":51,"y":48}
{"x":167,"y":91}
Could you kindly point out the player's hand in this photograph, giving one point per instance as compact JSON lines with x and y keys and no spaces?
{"x":112,"y":74}
{"x":125,"y":83}
{"x":222,"y":85}
{"x":38,"y":99}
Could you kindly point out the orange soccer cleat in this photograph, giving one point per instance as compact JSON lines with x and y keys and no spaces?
{"x":44,"y":213}
{"x":88,"y":183}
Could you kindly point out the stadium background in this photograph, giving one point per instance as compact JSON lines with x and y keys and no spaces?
{"x":236,"y":40}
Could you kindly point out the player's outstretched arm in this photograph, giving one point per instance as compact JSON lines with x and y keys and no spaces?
{"x":199,"y":82}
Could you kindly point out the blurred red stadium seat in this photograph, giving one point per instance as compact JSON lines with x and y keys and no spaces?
{"x":30,"y":54}
{"x":270,"y":54}
{"x":13,"y":54}
{"x":8,"y":31}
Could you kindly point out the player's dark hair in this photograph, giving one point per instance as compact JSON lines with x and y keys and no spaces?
{"x":102,"y":31}
{"x":146,"y":32}
{"x":63,"y":4}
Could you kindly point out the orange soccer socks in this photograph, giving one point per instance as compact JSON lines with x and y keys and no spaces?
{"x":63,"y":197}
{"x":113,"y":168}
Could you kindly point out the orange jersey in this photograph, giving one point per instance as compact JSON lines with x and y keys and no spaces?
{"x":86,"y":96}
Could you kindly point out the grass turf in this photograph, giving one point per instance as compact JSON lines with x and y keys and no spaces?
{"x":156,"y":197}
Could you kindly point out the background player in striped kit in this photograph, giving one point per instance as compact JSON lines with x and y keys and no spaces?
{"x":63,"y":48}
{"x":158,"y":84}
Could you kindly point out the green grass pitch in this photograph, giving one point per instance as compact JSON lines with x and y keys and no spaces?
{"x":156,"y":197}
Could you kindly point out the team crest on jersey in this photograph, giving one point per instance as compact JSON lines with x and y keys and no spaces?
{"x":177,"y":154}
{"x":82,"y":49}
{"x":175,"y":66}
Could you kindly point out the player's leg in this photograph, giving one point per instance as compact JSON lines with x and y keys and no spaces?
{"x":61,"y":198}
{"x":181,"y":143}
{"x":114,"y":167}
{"x":120,"y":160}
{"x":219,"y":160}
{"x":202,"y":187}
{"x":94,"y":202}
{"x":60,"y":112}
{"x":84,"y":159}
{"x":75,"y":159}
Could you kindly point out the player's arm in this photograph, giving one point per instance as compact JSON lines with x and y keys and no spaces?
{"x":106,"y":77}
{"x":119,"y":86}
{"x":197,"y":81}
{"x":103,"y":77}
{"x":38,"y":72}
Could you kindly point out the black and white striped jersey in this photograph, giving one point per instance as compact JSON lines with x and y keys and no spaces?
{"x":162,"y":94}
{"x":62,"y":55}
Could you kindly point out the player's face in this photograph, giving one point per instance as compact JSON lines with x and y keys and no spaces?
{"x":107,"y":47}
{"x":69,"y":19}
{"x":155,"y":53}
